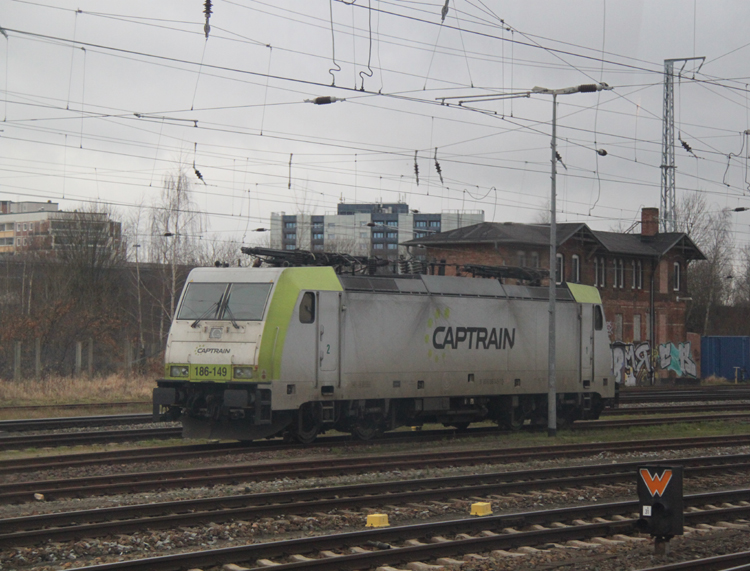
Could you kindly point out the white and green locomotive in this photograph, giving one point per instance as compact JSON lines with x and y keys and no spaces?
{"x":260,"y":352}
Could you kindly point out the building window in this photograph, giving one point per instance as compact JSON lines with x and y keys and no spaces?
{"x":363,"y":235}
{"x":18,"y":227}
{"x":317,"y":225}
{"x":521,"y":259}
{"x":559,"y":269}
{"x":377,"y":246}
{"x":331,"y":236}
{"x":420,"y":234}
{"x":290,"y":224}
{"x":639,"y":274}
{"x":575,"y":269}
{"x":290,"y":236}
{"x":677,"y":276}
{"x":621,"y":270}
{"x":420,"y":224}
{"x":392,"y":235}
{"x":392,"y":223}
{"x":291,"y":247}
{"x":24,"y":227}
{"x":318,"y":247}
{"x":600,"y":272}
{"x":635,"y":280}
{"x":534,"y":259}
{"x":393,"y":246}
{"x":636,"y":327}
{"x":377,"y":235}
{"x":434,"y":223}
{"x":317,"y":235}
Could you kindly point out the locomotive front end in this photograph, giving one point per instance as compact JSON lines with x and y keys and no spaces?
{"x":211,"y":379}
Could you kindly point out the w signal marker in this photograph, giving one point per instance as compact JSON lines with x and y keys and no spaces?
{"x":656,"y":484}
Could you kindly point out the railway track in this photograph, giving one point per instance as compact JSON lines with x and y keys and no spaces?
{"x":72,"y":406}
{"x":23,"y":491}
{"x":164,"y":433}
{"x":95,"y":437}
{"x":76,"y":525}
{"x":58,"y":423}
{"x":61,"y":423}
{"x":429,"y":542}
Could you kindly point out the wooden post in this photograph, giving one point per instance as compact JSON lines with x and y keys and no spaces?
{"x":90,"y":362}
{"x":37,"y":358}
{"x":79,"y":358}
{"x":17,"y":362}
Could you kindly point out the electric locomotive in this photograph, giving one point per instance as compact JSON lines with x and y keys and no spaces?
{"x":295,"y":351}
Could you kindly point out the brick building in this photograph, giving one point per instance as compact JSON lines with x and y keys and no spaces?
{"x":641,"y":277}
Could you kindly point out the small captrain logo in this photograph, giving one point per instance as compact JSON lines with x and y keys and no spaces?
{"x":202,"y":350}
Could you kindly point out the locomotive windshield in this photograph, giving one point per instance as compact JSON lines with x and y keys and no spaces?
{"x":214,"y":301}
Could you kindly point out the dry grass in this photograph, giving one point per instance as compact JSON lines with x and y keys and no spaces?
{"x":69,"y":390}
{"x":712,"y":380}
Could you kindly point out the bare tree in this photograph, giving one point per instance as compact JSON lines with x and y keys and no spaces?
{"x":708,"y":282}
{"x":176,"y":225}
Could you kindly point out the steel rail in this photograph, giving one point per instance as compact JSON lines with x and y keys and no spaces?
{"x":98,"y":437}
{"x":730,"y":562}
{"x":147,"y":481}
{"x":124,"y":519}
{"x":62,"y":422}
{"x":383,"y":553}
{"x":677,"y":409}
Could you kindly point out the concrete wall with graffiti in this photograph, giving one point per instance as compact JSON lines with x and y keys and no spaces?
{"x":633,"y":363}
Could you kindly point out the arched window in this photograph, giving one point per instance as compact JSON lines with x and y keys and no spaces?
{"x":677,"y":276}
{"x":575,"y":269}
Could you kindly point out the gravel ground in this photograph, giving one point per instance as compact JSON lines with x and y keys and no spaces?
{"x":631,"y":555}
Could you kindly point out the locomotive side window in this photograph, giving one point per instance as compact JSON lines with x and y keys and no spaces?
{"x":246,"y":301}
{"x":307,"y":308}
{"x":598,"y":318}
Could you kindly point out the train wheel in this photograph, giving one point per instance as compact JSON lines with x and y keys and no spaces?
{"x":367,"y":428}
{"x":306,"y":429}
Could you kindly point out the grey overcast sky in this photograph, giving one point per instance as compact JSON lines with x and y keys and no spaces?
{"x":102,"y":100}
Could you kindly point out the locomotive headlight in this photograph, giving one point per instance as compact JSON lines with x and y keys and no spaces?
{"x":243,"y":372}
{"x":179,"y":371}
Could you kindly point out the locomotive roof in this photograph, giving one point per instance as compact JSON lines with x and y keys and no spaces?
{"x":448,"y":285}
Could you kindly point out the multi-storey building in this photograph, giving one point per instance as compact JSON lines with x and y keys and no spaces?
{"x":363,"y":229}
{"x":41,"y":227}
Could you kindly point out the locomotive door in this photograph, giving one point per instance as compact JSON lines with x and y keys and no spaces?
{"x":587,"y":342}
{"x":329,"y":303}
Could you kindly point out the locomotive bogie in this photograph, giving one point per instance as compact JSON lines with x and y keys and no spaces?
{"x":366,"y":355}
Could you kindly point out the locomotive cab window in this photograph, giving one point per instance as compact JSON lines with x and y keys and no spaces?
{"x":217,"y":301}
{"x":307,"y":308}
{"x":598,"y":318}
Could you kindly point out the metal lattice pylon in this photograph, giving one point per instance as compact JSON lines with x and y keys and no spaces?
{"x":668,"y":221}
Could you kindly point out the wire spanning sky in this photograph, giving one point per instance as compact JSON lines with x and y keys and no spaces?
{"x":101,"y":101}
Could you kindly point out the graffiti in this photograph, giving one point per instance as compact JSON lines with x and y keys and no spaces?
{"x":677,"y":358}
{"x":631,"y":363}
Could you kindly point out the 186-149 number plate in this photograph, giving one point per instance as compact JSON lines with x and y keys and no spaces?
{"x":212,"y":372}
